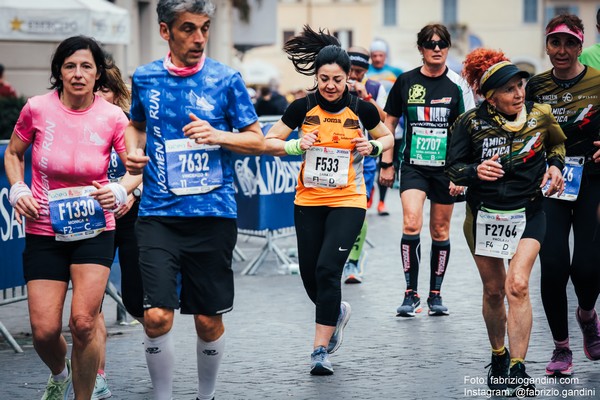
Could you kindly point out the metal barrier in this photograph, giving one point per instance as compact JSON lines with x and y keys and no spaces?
{"x":265,"y":191}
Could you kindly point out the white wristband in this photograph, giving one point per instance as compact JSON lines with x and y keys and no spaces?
{"x":120,"y":193}
{"x":17,"y":191}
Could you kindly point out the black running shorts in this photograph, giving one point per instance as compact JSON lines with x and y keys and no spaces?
{"x":200,"y":249}
{"x":430,"y":180}
{"x":46,"y":258}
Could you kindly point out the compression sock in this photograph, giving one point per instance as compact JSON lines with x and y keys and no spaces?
{"x":160,"y":357}
{"x":440,"y":254}
{"x":358,"y":244}
{"x":209,"y":355}
{"x":410,"y":248}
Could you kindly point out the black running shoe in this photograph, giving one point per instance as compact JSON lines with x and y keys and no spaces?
{"x":520,"y":384}
{"x":498,"y":372}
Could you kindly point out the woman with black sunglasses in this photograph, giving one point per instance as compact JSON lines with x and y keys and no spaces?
{"x":430,"y":98}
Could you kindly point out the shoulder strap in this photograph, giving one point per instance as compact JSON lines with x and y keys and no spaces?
{"x":354,"y":104}
{"x":311,"y":101}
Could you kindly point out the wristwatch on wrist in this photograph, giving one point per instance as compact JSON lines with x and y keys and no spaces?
{"x":385,"y":164}
{"x":137,"y":193}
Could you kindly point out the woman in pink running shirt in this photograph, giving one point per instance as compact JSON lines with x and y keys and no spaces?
{"x":70,"y":226}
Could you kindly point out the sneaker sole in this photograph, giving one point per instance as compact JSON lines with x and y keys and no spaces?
{"x":353,"y":279}
{"x":438,"y":313}
{"x":320,"y":370}
{"x":567,"y":372}
{"x":102,"y":396}
{"x":341,"y":331}
{"x":408,"y":314}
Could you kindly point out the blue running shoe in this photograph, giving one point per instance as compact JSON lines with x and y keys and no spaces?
{"x":352,"y":273}
{"x":101,"y":390}
{"x":319,"y":362}
{"x":410,"y":306}
{"x":338,"y":335}
{"x":434,"y":301}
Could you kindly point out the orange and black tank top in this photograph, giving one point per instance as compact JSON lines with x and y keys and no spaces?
{"x":332,"y":170}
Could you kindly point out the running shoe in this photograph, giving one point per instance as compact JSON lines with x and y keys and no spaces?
{"x":561,"y":362}
{"x":370,"y":200}
{"x":591,"y":336}
{"x":59,"y":390}
{"x":338,"y":335}
{"x":520,"y":384}
{"x":319,"y":362}
{"x":381,"y":210}
{"x":434,"y":301}
{"x":498,"y":371}
{"x":410,"y":306}
{"x":351,"y":272}
{"x":101,"y":390}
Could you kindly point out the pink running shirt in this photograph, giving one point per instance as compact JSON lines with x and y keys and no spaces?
{"x":69,"y":148}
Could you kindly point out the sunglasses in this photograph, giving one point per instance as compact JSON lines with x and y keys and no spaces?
{"x":431,"y":44}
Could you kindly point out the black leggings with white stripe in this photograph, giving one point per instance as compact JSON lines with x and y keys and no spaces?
{"x":325,"y":237}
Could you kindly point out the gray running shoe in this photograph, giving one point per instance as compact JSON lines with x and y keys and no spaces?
{"x":319,"y":362}
{"x":338,"y":335}
{"x":410,"y":306}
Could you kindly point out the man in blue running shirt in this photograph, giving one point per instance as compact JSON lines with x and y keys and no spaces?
{"x":184,"y":108}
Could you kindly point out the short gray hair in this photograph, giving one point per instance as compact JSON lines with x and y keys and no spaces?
{"x":168,"y":10}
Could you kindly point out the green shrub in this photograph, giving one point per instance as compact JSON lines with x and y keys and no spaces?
{"x":9,"y":113}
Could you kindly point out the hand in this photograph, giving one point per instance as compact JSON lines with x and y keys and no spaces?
{"x":387,"y":176}
{"x":360,"y":89}
{"x":596,"y":156}
{"x":456,"y":190}
{"x":28,"y":207}
{"x":557,"y":183}
{"x":136,"y":161}
{"x":490,"y":170}
{"x":362,"y":145}
{"x":202,"y":131}
{"x":104,"y":196}
{"x":125,"y":208}
{"x":308,"y":139}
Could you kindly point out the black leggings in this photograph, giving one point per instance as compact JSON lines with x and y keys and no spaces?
{"x":557,"y":266}
{"x":325,"y":237}
{"x":131,"y":279}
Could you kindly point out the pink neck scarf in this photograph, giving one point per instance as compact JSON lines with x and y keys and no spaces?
{"x":182,"y":71}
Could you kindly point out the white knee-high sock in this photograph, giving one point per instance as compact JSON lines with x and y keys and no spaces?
{"x":160,"y":357}
{"x":209,"y":359}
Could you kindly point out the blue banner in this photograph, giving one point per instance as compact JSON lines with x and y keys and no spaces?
{"x":265,"y":189}
{"x":12,"y":234}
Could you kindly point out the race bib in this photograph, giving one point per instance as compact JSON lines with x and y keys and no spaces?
{"x":326,"y":167}
{"x":572,"y":173}
{"x":498,"y":232}
{"x":75,"y":215}
{"x":193,"y":168}
{"x":428,"y":146}
{"x":116,"y":169}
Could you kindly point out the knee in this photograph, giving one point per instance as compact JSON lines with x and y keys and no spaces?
{"x":209,"y":328}
{"x":45,"y":333}
{"x":439,"y":232}
{"x":412,"y":225}
{"x":494,"y":296}
{"x":517,"y":287}
{"x":83,"y":327}
{"x":158,"y":321}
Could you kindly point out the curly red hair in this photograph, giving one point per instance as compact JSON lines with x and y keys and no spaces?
{"x":477,"y":62}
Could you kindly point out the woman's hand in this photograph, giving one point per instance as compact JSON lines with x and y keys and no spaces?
{"x":308,"y":139}
{"x":490,"y":170}
{"x":362,"y":145}
{"x":456,"y":190}
{"x":557,"y":182}
{"x":124,"y":209}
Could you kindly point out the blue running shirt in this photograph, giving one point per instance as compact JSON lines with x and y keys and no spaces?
{"x":216,"y":94}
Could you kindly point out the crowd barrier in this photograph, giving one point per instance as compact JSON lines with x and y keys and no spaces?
{"x":265,"y":191}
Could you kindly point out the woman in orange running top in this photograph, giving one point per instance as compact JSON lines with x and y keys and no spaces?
{"x":331,"y":201}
